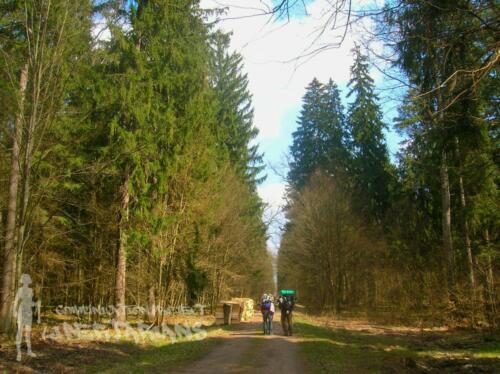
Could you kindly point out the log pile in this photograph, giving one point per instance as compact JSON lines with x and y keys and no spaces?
{"x":234,"y":311}
{"x":247,"y":307}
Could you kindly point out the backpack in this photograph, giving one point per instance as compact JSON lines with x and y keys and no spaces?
{"x":266,"y":305}
{"x":287,"y":304}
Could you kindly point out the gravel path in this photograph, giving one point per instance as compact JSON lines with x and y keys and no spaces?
{"x":246,"y":350}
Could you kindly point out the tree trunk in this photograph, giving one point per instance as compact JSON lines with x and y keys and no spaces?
{"x":151,"y":304}
{"x":446,"y":227}
{"x":121,"y":263}
{"x":29,"y":138}
{"x":10,"y":253}
{"x":465,"y":223}
{"x":162,"y":293}
{"x":490,"y":284}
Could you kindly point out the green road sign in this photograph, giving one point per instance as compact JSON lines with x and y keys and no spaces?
{"x":287,"y":292}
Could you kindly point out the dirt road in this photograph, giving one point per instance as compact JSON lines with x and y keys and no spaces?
{"x":247,"y":350}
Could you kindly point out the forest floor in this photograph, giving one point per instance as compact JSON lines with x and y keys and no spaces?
{"x":319,"y":345}
{"x":357,"y":346}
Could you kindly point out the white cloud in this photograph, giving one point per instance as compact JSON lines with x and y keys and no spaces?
{"x":100,"y":30}
{"x":269,"y":48}
{"x":273,"y":194}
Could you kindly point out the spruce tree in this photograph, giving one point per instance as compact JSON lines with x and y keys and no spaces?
{"x":305,"y":150}
{"x":320,"y":139}
{"x":234,"y":113}
{"x":150,"y":105}
{"x":370,"y":155}
{"x":146,"y":175}
{"x":334,"y":133}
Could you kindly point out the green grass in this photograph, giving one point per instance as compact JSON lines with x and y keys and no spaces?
{"x":158,"y":358}
{"x":328,"y":350}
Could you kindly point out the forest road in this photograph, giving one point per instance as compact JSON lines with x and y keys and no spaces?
{"x":247,"y":350}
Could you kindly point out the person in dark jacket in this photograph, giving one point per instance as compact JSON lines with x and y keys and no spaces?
{"x":286,"y":304}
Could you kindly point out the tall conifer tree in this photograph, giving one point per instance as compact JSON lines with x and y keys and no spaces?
{"x":320,"y":139}
{"x":234,"y":113}
{"x":371,"y":159}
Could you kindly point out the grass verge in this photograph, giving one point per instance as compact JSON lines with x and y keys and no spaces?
{"x":156,"y":359}
{"x":157,"y":354}
{"x":162,"y":357}
{"x":344,"y":350}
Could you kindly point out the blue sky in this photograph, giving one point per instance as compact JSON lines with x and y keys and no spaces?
{"x":296,"y":8}
{"x":277,"y":77}
{"x":274,"y":149}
